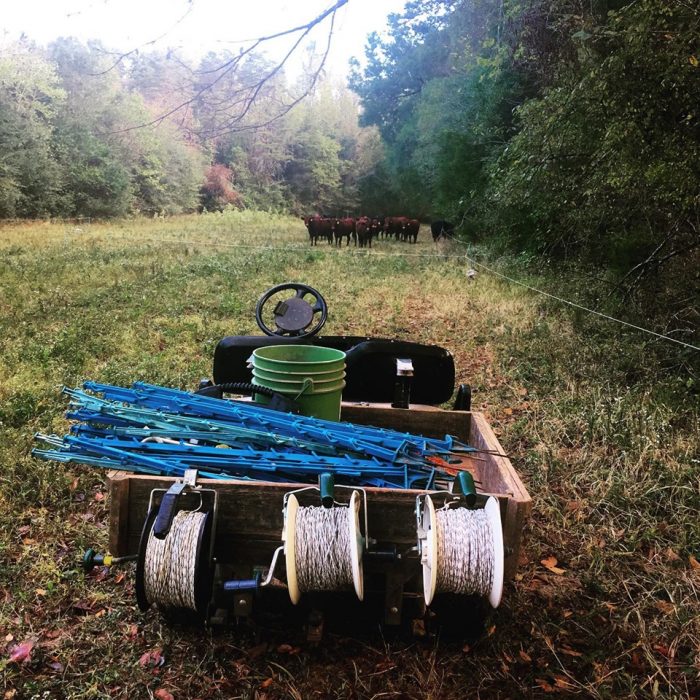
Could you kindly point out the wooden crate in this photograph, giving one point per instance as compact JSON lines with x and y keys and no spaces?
{"x":250,"y":513}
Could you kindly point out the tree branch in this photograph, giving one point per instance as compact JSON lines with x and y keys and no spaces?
{"x":229,"y":67}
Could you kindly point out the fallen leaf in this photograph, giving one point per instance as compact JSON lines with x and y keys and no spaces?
{"x":522,"y":392}
{"x":694,"y":563}
{"x":83,"y":607}
{"x":28,"y":540}
{"x":99,"y":497}
{"x":267,"y":683}
{"x":21,"y":653}
{"x":152,"y":659}
{"x":163,"y":694}
{"x":665,"y":607}
{"x":545,"y":685}
{"x":570,"y":652}
{"x":671,"y":555}
{"x":562,"y":682}
{"x":284,"y":648}
{"x":525,"y":656}
{"x":9,"y":637}
{"x":551,"y":565}
{"x":663,"y":650}
{"x":567,"y":614}
{"x":508,"y":411}
{"x":119,"y":577}
{"x":40,"y":591}
{"x":693,"y":61}
{"x":24,"y":529}
{"x":258,"y":650}
{"x":9,"y":694}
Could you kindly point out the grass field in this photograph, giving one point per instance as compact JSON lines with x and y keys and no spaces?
{"x":601,"y":424}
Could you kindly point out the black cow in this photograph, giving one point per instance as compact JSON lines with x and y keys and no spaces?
{"x":441,"y":229}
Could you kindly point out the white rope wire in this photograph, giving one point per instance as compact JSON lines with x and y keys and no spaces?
{"x":170,"y":565}
{"x":465,"y":556}
{"x":434,"y":256}
{"x":322,"y":549}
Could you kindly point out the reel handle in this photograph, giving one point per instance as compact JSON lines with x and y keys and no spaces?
{"x":168,"y":509}
{"x":246,"y":584}
{"x":465,"y":486}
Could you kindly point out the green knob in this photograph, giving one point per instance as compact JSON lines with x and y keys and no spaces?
{"x":326,"y":485}
{"x":464,"y":485}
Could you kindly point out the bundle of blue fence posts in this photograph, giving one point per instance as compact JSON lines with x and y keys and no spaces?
{"x":155,"y":430}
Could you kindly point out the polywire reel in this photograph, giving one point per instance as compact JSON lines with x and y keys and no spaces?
{"x":462,"y":551}
{"x":323,"y":547}
{"x":174,"y":572}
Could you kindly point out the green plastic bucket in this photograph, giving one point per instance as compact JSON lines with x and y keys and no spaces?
{"x":313,"y":376}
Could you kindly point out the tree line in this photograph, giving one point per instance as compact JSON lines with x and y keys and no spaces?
{"x":85,"y":133}
{"x":562,"y":127}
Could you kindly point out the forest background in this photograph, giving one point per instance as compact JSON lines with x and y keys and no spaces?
{"x":562,"y":130}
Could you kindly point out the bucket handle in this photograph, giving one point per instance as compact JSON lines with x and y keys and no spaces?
{"x":308,"y":382}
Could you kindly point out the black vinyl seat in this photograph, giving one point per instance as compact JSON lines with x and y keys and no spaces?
{"x":370,"y":365}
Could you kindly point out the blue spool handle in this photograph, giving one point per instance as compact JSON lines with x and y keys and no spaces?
{"x":245,"y":584}
{"x":326,"y":485}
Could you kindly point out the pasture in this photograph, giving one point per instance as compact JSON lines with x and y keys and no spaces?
{"x":597,"y":420}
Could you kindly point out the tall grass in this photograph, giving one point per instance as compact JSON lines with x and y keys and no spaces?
{"x":605,"y":438}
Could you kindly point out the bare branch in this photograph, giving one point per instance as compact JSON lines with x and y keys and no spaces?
{"x":251,"y":92}
{"x":122,"y":56}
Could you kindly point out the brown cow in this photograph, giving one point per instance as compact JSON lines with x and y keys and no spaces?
{"x":344,"y":227}
{"x":363,"y":232}
{"x":411,"y":230}
{"x":395,"y":225}
{"x":319,"y":227}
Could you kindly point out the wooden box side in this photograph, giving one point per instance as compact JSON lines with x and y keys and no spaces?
{"x":250,"y":513}
{"x":499,"y":476}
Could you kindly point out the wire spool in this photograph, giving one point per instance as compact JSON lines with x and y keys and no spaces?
{"x":463,"y":551}
{"x":175,"y":573}
{"x":323,"y":548}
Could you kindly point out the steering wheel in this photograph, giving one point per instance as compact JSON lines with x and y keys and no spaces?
{"x":294,"y":315}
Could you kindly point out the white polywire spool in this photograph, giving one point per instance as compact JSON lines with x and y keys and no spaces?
{"x":323,"y":548}
{"x":170,"y":564}
{"x":463,"y":551}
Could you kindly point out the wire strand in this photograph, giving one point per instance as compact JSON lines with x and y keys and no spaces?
{"x":434,"y":256}
{"x":573,"y":303}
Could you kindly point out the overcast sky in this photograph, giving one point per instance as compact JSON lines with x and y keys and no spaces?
{"x":195,"y":26}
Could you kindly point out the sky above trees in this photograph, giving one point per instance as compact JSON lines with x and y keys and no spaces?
{"x":196,"y":27}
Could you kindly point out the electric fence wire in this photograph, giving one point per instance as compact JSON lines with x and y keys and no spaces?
{"x":170,"y":564}
{"x":465,"y":556}
{"x":322,"y":549}
{"x":434,"y":256}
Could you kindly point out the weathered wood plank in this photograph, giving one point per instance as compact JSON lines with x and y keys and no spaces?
{"x":119,"y":510}
{"x":424,"y":420}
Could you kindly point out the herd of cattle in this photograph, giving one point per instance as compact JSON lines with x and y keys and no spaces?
{"x":364,"y":228}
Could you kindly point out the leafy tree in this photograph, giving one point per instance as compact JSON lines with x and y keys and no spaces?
{"x":217,"y":191}
{"x":29,"y":95}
